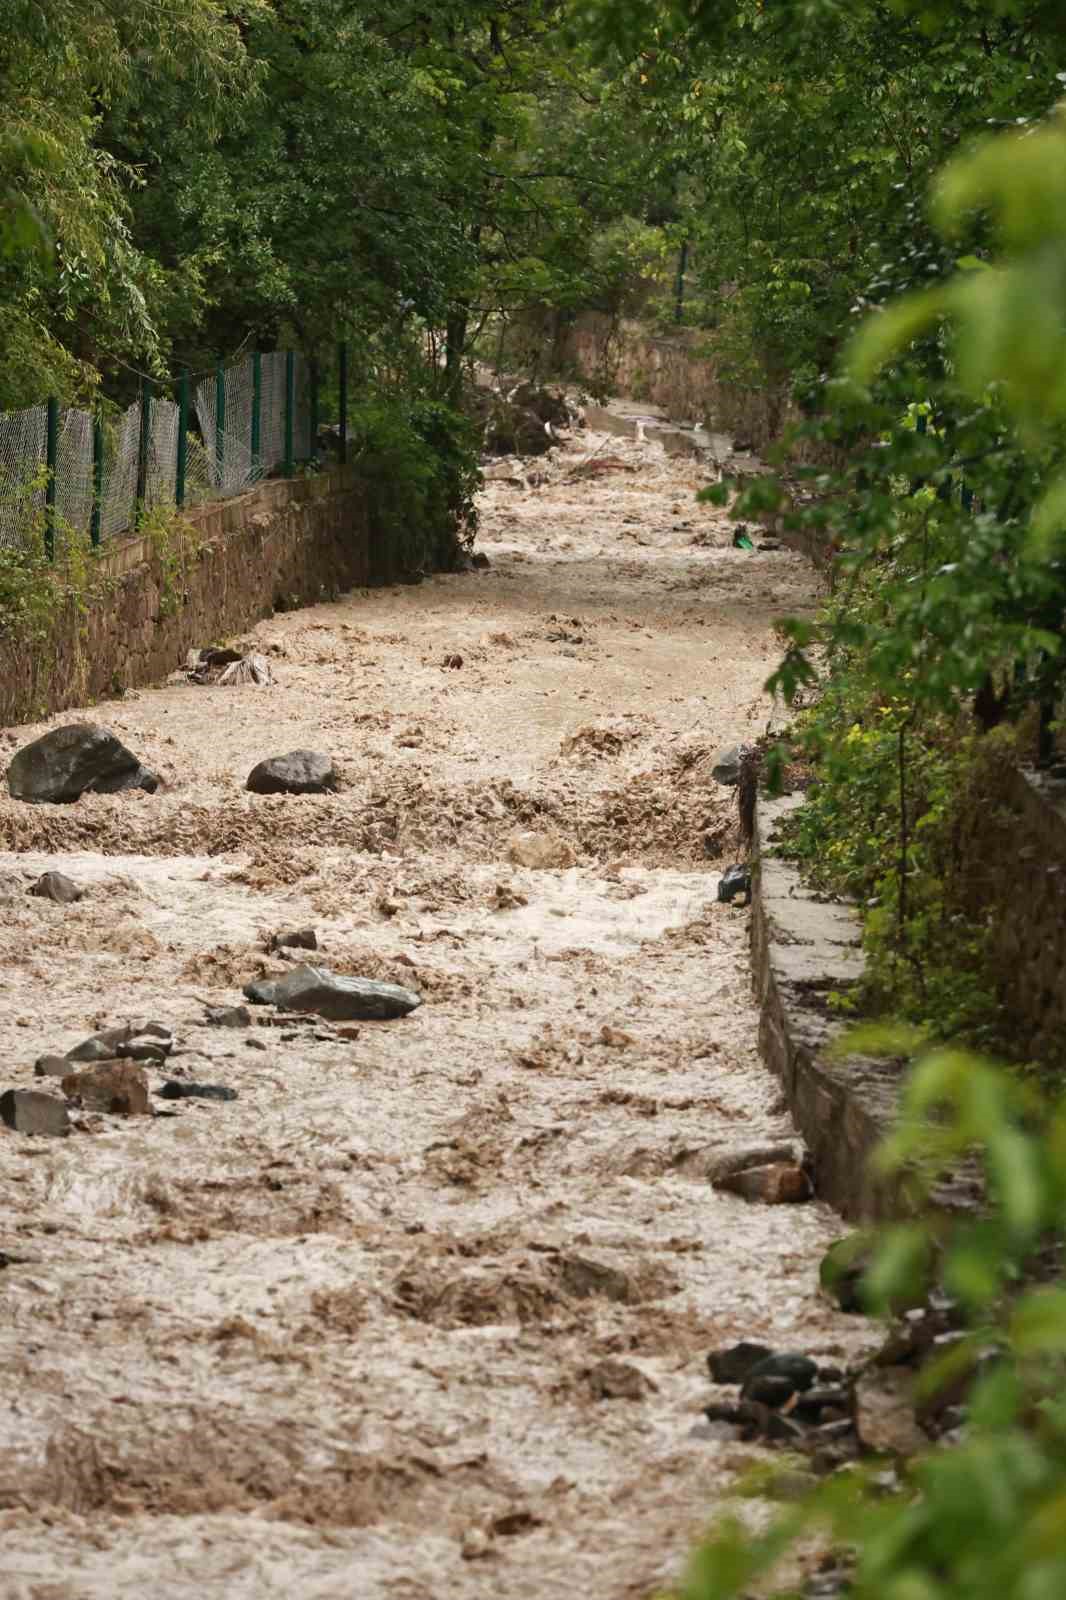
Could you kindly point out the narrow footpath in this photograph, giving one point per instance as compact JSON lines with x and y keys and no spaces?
{"x":424,"y":1313}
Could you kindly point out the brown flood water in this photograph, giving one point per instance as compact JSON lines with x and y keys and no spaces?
{"x":331,"y":1340}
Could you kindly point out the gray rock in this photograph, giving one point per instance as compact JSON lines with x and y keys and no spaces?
{"x":727,"y":763}
{"x":140,"y":1041}
{"x":63,"y":765}
{"x":299,"y":939}
{"x":797,"y":1372}
{"x":299,"y":772}
{"x":51,"y":1067}
{"x":56,"y":886}
{"x":340,"y":999}
{"x":173,"y":1090}
{"x":735,"y":880}
{"x":34,"y":1111}
{"x":228,"y":1017}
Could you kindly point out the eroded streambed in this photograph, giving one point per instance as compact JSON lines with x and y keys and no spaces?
{"x":342,"y":1336}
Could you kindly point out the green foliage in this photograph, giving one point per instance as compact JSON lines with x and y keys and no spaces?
{"x":418,"y":462}
{"x":981,"y":1519}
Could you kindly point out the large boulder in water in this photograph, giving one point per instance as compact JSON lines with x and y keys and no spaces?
{"x":300,"y":772}
{"x":340,"y":999}
{"x":77,"y":759}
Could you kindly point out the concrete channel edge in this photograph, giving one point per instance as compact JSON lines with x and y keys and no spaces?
{"x":803,"y":950}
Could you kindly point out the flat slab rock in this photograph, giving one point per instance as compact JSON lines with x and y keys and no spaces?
{"x":299,"y":772}
{"x":34,"y":1111}
{"x":318,"y":990}
{"x":81,"y":757}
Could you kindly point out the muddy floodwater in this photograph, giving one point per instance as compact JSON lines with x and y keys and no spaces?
{"x":424,"y":1313}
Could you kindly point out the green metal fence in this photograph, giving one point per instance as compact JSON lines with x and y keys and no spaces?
{"x":201,"y":437}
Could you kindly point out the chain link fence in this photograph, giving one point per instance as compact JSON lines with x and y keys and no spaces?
{"x":69,"y":471}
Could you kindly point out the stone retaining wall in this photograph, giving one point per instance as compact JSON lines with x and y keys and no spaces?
{"x":285,"y":543}
{"x":802,"y":951}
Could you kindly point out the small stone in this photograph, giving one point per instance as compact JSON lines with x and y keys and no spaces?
{"x":776,"y":1185}
{"x":229,"y":1017}
{"x":799,"y":1372}
{"x":173,"y":1090}
{"x":823,"y":1405}
{"x":51,"y":1067}
{"x":141,"y":1041}
{"x":318,"y":990}
{"x":616,"y":1038}
{"x":298,"y":939}
{"x":453,"y":661}
{"x":61,"y":766}
{"x":119,"y":1087}
{"x":540,"y":852}
{"x":727,"y":765}
{"x":769,"y":1390}
{"x":734,"y":1364}
{"x":479,"y":561}
{"x":255,"y":1044}
{"x":476,"y":1545}
{"x":56,"y":886}
{"x":299,"y":772}
{"x":612,"y":1379}
{"x":735,"y":880}
{"x":34,"y":1111}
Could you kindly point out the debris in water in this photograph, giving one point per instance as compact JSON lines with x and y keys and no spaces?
{"x":735,"y":880}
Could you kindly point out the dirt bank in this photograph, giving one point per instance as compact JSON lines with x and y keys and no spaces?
{"x":351,"y":1333}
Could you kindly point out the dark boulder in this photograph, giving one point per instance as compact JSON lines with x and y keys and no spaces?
{"x":299,"y":772}
{"x":77,"y":759}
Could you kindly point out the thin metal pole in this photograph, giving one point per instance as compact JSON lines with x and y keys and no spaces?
{"x":290,"y":409}
{"x":220,"y":423}
{"x":313,"y":430}
{"x":257,"y":414}
{"x":142,"y":446}
{"x":98,"y":482}
{"x":342,"y":355}
{"x":51,"y":456}
{"x":182,"y":465}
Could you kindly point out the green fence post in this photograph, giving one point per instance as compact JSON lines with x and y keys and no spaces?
{"x":51,"y":456}
{"x":313,"y":429}
{"x":142,"y":447}
{"x":257,"y":414}
{"x":220,"y":424}
{"x":290,"y":409}
{"x":182,"y":465}
{"x":98,"y":482}
{"x":342,"y":360}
